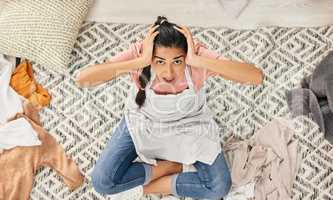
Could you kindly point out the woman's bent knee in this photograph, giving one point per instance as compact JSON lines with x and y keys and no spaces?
{"x":102,"y":183}
{"x":219,"y":184}
{"x":222,"y":186}
{"x":219,"y":191}
{"x":221,"y":181}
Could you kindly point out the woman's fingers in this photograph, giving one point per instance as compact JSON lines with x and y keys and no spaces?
{"x":148,"y":44}
{"x":152,"y":29}
{"x":152,"y":37}
{"x":185,"y":31}
{"x":182,"y":31}
{"x":150,"y":32}
{"x":154,"y":34}
{"x":184,"y":27}
{"x":179,"y":29}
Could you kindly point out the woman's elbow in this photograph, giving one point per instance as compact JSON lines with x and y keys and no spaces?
{"x":256,"y":78}
{"x":89,"y":78}
{"x":81,"y":80}
{"x":259,"y":77}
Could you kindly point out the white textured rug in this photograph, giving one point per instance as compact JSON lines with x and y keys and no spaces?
{"x":82,"y":119}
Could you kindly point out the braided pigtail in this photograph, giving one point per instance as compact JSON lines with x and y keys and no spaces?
{"x":144,"y":78}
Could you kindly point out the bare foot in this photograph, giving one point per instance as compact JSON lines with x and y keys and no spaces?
{"x":161,"y":185}
{"x":165,"y":167}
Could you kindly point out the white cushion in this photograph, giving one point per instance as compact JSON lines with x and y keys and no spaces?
{"x":43,"y":31}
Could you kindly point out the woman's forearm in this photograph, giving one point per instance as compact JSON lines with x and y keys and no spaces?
{"x":232,"y":70}
{"x":100,"y":73}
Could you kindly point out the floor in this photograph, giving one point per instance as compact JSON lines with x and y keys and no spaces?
{"x":238,"y":14}
{"x":83,"y":121}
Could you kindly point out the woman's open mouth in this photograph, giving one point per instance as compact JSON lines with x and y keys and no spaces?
{"x":168,"y":80}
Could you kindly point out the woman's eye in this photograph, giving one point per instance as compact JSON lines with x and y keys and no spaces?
{"x":177,"y":62}
{"x":159,"y":62}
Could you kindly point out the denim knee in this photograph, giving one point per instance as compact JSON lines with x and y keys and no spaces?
{"x":222,"y":184}
{"x":102,"y":183}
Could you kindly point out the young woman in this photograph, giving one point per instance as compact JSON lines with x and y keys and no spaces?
{"x":167,"y":123}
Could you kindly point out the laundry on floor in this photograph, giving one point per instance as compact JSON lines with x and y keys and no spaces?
{"x":16,"y":132}
{"x":244,"y":192}
{"x":24,"y":83}
{"x":269,"y":159}
{"x":25,"y":145}
{"x":315,"y":97}
{"x":21,"y":163}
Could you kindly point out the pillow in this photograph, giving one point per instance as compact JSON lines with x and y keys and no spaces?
{"x":42,"y":31}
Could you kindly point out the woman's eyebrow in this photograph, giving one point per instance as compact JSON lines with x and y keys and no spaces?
{"x":173,"y":58}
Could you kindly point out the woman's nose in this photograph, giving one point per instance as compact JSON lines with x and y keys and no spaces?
{"x":168,"y":75}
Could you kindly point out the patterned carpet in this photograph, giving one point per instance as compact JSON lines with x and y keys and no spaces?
{"x":82,"y":119}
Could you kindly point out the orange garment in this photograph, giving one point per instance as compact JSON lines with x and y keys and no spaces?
{"x":23,"y":82}
{"x":19,"y":165}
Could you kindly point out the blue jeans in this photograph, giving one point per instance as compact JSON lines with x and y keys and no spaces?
{"x":115,"y":171}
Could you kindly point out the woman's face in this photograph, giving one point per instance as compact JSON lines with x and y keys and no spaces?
{"x":169,"y":63}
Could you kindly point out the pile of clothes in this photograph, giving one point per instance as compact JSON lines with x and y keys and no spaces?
{"x":265,"y":165}
{"x":25,"y":145}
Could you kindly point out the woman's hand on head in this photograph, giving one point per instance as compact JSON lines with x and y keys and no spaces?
{"x":191,"y":49}
{"x":148,"y":44}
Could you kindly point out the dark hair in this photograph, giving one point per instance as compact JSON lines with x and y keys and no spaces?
{"x":168,"y":37}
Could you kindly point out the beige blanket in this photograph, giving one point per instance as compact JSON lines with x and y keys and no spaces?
{"x":269,"y":158}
